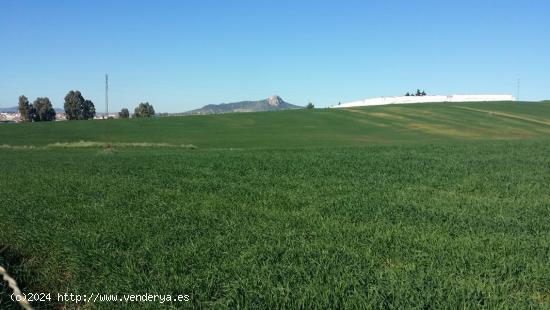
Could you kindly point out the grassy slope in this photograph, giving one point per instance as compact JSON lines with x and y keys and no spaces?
{"x":349,"y":127}
{"x":462,"y":223}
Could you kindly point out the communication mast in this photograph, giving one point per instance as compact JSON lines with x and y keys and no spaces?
{"x":519,"y":81}
{"x":106,"y":96}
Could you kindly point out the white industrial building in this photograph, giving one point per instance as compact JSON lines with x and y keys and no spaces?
{"x":425,"y":99}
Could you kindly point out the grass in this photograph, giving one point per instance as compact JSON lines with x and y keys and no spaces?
{"x":442,"y":215}
{"x":396,"y":124}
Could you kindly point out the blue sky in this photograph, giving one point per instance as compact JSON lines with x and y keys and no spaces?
{"x":180,"y":55}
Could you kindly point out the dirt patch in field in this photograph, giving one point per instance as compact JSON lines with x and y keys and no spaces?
{"x":366,"y":121}
{"x":443,"y":130}
{"x":372,"y":123}
{"x":471,"y":132}
{"x":357,"y":111}
{"x":378,"y":114}
{"x":508,"y":115}
{"x":418,"y":112}
{"x":16,"y":147}
{"x":95,"y":144}
{"x":388,"y":116}
{"x":541,"y":297}
{"x":425,"y":112}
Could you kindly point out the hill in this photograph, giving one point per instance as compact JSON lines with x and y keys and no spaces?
{"x":273,"y":103}
{"x":9,"y":110}
{"x":16,"y":110}
{"x":415,"y":123}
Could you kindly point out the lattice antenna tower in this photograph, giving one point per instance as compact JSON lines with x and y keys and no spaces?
{"x":106,"y":95}
{"x":519,"y":85}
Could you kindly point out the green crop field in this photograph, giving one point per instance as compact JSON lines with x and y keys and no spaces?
{"x":405,"y":206}
{"x":396,"y":124}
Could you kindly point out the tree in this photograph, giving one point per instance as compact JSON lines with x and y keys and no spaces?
{"x":42,"y":110}
{"x":32,"y":116}
{"x":88,"y":110}
{"x":407,"y":94}
{"x":144,"y":110}
{"x":73,"y":105}
{"x":24,"y":108}
{"x":310,"y":106}
{"x":124,"y":113}
{"x":78,"y":108}
{"x":418,"y":93}
{"x":423,"y":93}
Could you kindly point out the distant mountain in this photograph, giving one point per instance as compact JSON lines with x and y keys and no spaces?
{"x":273,"y":103}
{"x":16,"y":109}
{"x":9,"y":110}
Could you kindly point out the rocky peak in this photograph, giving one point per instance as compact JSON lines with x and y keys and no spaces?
{"x":274,"y":100}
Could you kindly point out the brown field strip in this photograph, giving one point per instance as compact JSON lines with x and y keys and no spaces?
{"x":507,"y":115}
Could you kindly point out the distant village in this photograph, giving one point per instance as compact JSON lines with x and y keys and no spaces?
{"x":15,"y":117}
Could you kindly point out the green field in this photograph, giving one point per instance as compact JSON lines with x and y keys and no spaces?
{"x":396,"y":124}
{"x":422,"y":206}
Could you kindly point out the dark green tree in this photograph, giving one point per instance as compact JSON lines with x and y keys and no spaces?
{"x":88,"y":110}
{"x":24,"y":108}
{"x":418,"y":93}
{"x":310,"y":106}
{"x":32,"y":113}
{"x":423,"y":93}
{"x":73,"y":105}
{"x":144,"y":110}
{"x":407,"y":94}
{"x":42,"y":110}
{"x":78,"y":108}
{"x":124,"y":113}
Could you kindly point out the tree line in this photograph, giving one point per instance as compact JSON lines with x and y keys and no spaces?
{"x":40,"y":110}
{"x":418,"y":93}
{"x":144,"y":109}
{"x":76,"y":108}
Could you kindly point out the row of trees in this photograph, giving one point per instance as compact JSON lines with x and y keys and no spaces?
{"x":418,"y":93}
{"x":142,"y":110}
{"x":76,"y":108}
{"x":40,"y":110}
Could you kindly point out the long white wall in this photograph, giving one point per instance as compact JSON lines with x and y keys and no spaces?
{"x":425,"y":99}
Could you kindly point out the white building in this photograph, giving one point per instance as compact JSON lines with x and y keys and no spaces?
{"x":10,"y":117}
{"x":425,"y":99}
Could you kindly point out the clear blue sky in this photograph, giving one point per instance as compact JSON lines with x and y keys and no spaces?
{"x":180,"y":55}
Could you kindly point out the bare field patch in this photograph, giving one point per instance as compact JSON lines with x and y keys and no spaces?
{"x":377,"y":114}
{"x":16,"y":147}
{"x":95,"y":144}
{"x":372,"y":123}
{"x":365,"y":120}
{"x":508,"y":115}
{"x":421,"y":113}
{"x":443,"y":130}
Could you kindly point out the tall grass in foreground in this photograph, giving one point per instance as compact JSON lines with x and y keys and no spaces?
{"x":456,"y":225}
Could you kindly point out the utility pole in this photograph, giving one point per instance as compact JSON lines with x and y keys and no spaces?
{"x":106,"y":96}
